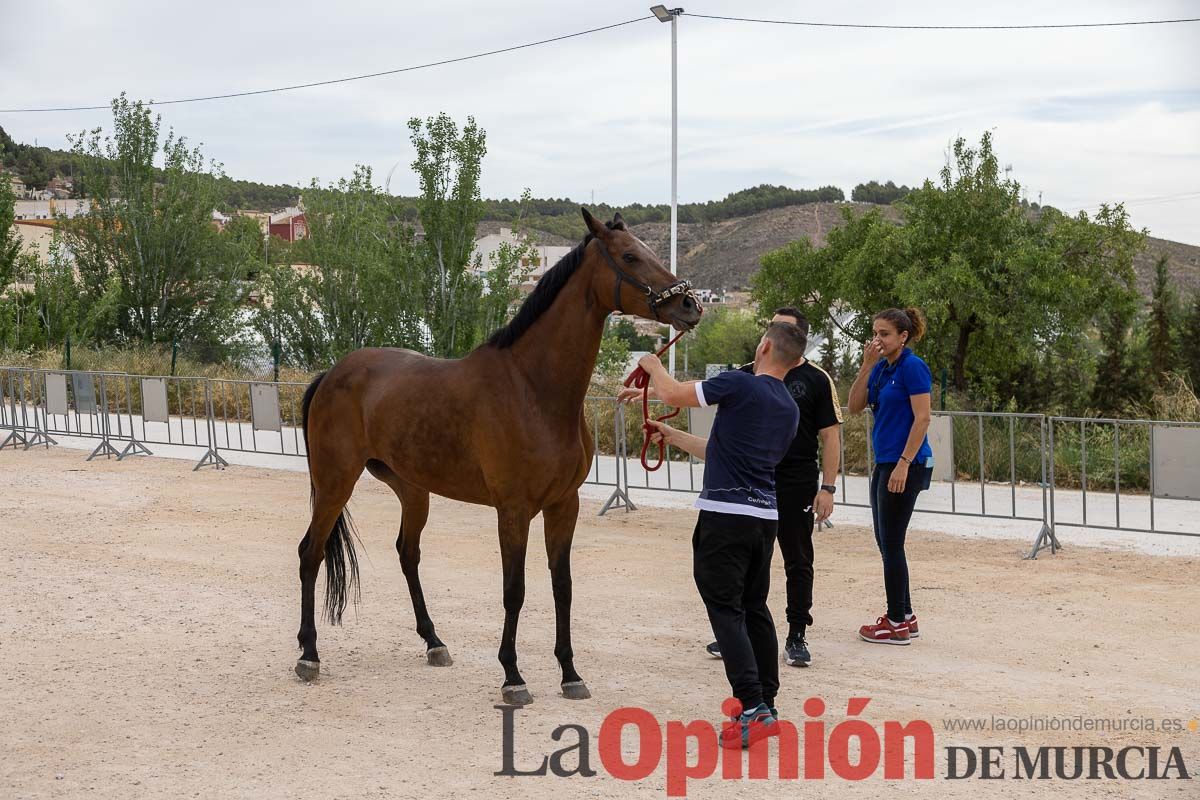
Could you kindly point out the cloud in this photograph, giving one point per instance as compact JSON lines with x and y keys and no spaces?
{"x":1084,"y":116}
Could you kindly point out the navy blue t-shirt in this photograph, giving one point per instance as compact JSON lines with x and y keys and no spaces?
{"x":754,"y":426}
{"x":889,"y":388}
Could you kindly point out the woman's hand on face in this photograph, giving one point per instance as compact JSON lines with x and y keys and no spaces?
{"x":871,"y":353}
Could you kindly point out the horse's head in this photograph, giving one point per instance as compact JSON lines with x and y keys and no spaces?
{"x":632,"y":280}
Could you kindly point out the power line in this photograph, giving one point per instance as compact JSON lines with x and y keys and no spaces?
{"x":341,"y":80}
{"x":1141,"y":201}
{"x":513,"y":48}
{"x":945,"y":27}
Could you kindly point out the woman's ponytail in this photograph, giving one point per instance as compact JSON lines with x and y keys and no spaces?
{"x":917,"y":323}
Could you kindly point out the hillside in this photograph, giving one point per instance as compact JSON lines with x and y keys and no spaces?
{"x":721,"y":252}
{"x":726,"y":253}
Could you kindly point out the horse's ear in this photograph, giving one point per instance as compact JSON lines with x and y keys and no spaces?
{"x":598,"y":228}
{"x":618,"y":222}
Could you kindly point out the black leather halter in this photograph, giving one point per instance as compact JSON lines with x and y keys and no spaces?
{"x":653,"y":298}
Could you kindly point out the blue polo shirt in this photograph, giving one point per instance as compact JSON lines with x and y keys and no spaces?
{"x":755,"y":423}
{"x":889,"y":388}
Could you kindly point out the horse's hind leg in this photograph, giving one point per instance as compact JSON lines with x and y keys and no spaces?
{"x":328,"y":504}
{"x":415,"y":504}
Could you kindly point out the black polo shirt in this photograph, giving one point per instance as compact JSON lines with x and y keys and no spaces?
{"x":817,"y":398}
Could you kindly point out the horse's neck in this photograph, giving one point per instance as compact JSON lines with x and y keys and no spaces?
{"x":558,"y":352}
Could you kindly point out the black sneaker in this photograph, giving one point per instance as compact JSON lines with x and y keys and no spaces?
{"x":713,"y":650}
{"x":795,"y":652}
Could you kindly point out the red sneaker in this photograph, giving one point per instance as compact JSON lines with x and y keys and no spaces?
{"x":913,"y":633}
{"x":884,"y":631}
{"x":746,"y":729}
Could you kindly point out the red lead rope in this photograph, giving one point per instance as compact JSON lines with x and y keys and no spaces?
{"x":640,"y":379}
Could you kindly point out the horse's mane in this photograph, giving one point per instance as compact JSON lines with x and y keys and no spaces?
{"x":542,"y":296}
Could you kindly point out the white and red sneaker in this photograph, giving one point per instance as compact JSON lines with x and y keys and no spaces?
{"x":913,"y":631}
{"x":884,"y":631}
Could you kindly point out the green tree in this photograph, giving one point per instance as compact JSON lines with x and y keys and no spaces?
{"x":1164,"y":311}
{"x":247,"y":245}
{"x":613,"y":356}
{"x":998,"y":286}
{"x":147,"y":244}
{"x":880,"y":193}
{"x":352,"y":283}
{"x":463,"y":302}
{"x":855,"y":271}
{"x":724,"y":336}
{"x":10,"y":244}
{"x":1119,"y":380}
{"x":33,"y":167}
{"x":57,"y":296}
{"x":829,"y":351}
{"x":625,"y":329}
{"x":1189,"y":341}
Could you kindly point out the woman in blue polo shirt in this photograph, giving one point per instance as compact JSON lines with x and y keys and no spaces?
{"x":895,"y":383}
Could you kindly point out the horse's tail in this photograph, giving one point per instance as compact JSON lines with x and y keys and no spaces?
{"x":304,"y":404}
{"x":341,"y":583}
{"x":341,"y":560}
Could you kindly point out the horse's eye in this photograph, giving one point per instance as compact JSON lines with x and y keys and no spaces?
{"x":629,"y":258}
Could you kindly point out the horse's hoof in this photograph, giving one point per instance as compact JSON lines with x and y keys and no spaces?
{"x":516,"y":695}
{"x":308,"y":670}
{"x":576,"y":690}
{"x":439,"y":657}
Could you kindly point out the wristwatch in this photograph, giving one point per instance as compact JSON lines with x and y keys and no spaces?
{"x":828,"y":487}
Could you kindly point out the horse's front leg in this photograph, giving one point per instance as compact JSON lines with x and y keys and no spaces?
{"x":514,"y":537}
{"x":560,"y":522}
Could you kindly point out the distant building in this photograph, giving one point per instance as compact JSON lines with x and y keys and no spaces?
{"x":261,"y":217}
{"x":17,"y":185}
{"x":544,"y":257}
{"x":643,"y":326}
{"x":710,"y":296}
{"x":290,"y":224}
{"x":48,"y":208}
{"x":35,"y":236}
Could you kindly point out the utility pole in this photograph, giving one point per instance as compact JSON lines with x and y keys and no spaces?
{"x":672,"y":15}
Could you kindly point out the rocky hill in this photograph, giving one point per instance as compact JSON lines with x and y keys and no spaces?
{"x":726,"y":254}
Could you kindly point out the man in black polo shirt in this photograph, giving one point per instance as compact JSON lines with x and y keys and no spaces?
{"x":735,"y":532}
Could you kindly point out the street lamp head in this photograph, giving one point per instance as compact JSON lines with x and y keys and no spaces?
{"x":663,"y":14}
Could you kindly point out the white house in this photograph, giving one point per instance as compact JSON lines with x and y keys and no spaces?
{"x":46,"y":209}
{"x":487,"y":247}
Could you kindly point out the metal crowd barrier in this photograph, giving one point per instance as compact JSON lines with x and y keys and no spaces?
{"x":21,"y":399}
{"x":258,"y":417}
{"x":1133,"y":475}
{"x":90,"y":404}
{"x":998,"y":476}
{"x":1131,"y":472}
{"x":605,"y":470}
{"x":998,"y":465}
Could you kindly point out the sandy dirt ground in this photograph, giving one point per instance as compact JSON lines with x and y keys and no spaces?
{"x":147,"y":632}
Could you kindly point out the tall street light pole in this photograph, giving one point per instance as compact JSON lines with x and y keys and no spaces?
{"x":672,"y":15}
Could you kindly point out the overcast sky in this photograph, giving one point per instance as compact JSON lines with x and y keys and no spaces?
{"x":1083,"y":116}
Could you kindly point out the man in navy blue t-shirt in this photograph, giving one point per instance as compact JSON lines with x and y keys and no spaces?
{"x":735,"y":533}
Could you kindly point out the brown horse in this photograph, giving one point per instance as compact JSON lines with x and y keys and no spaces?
{"x":502,"y":427}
